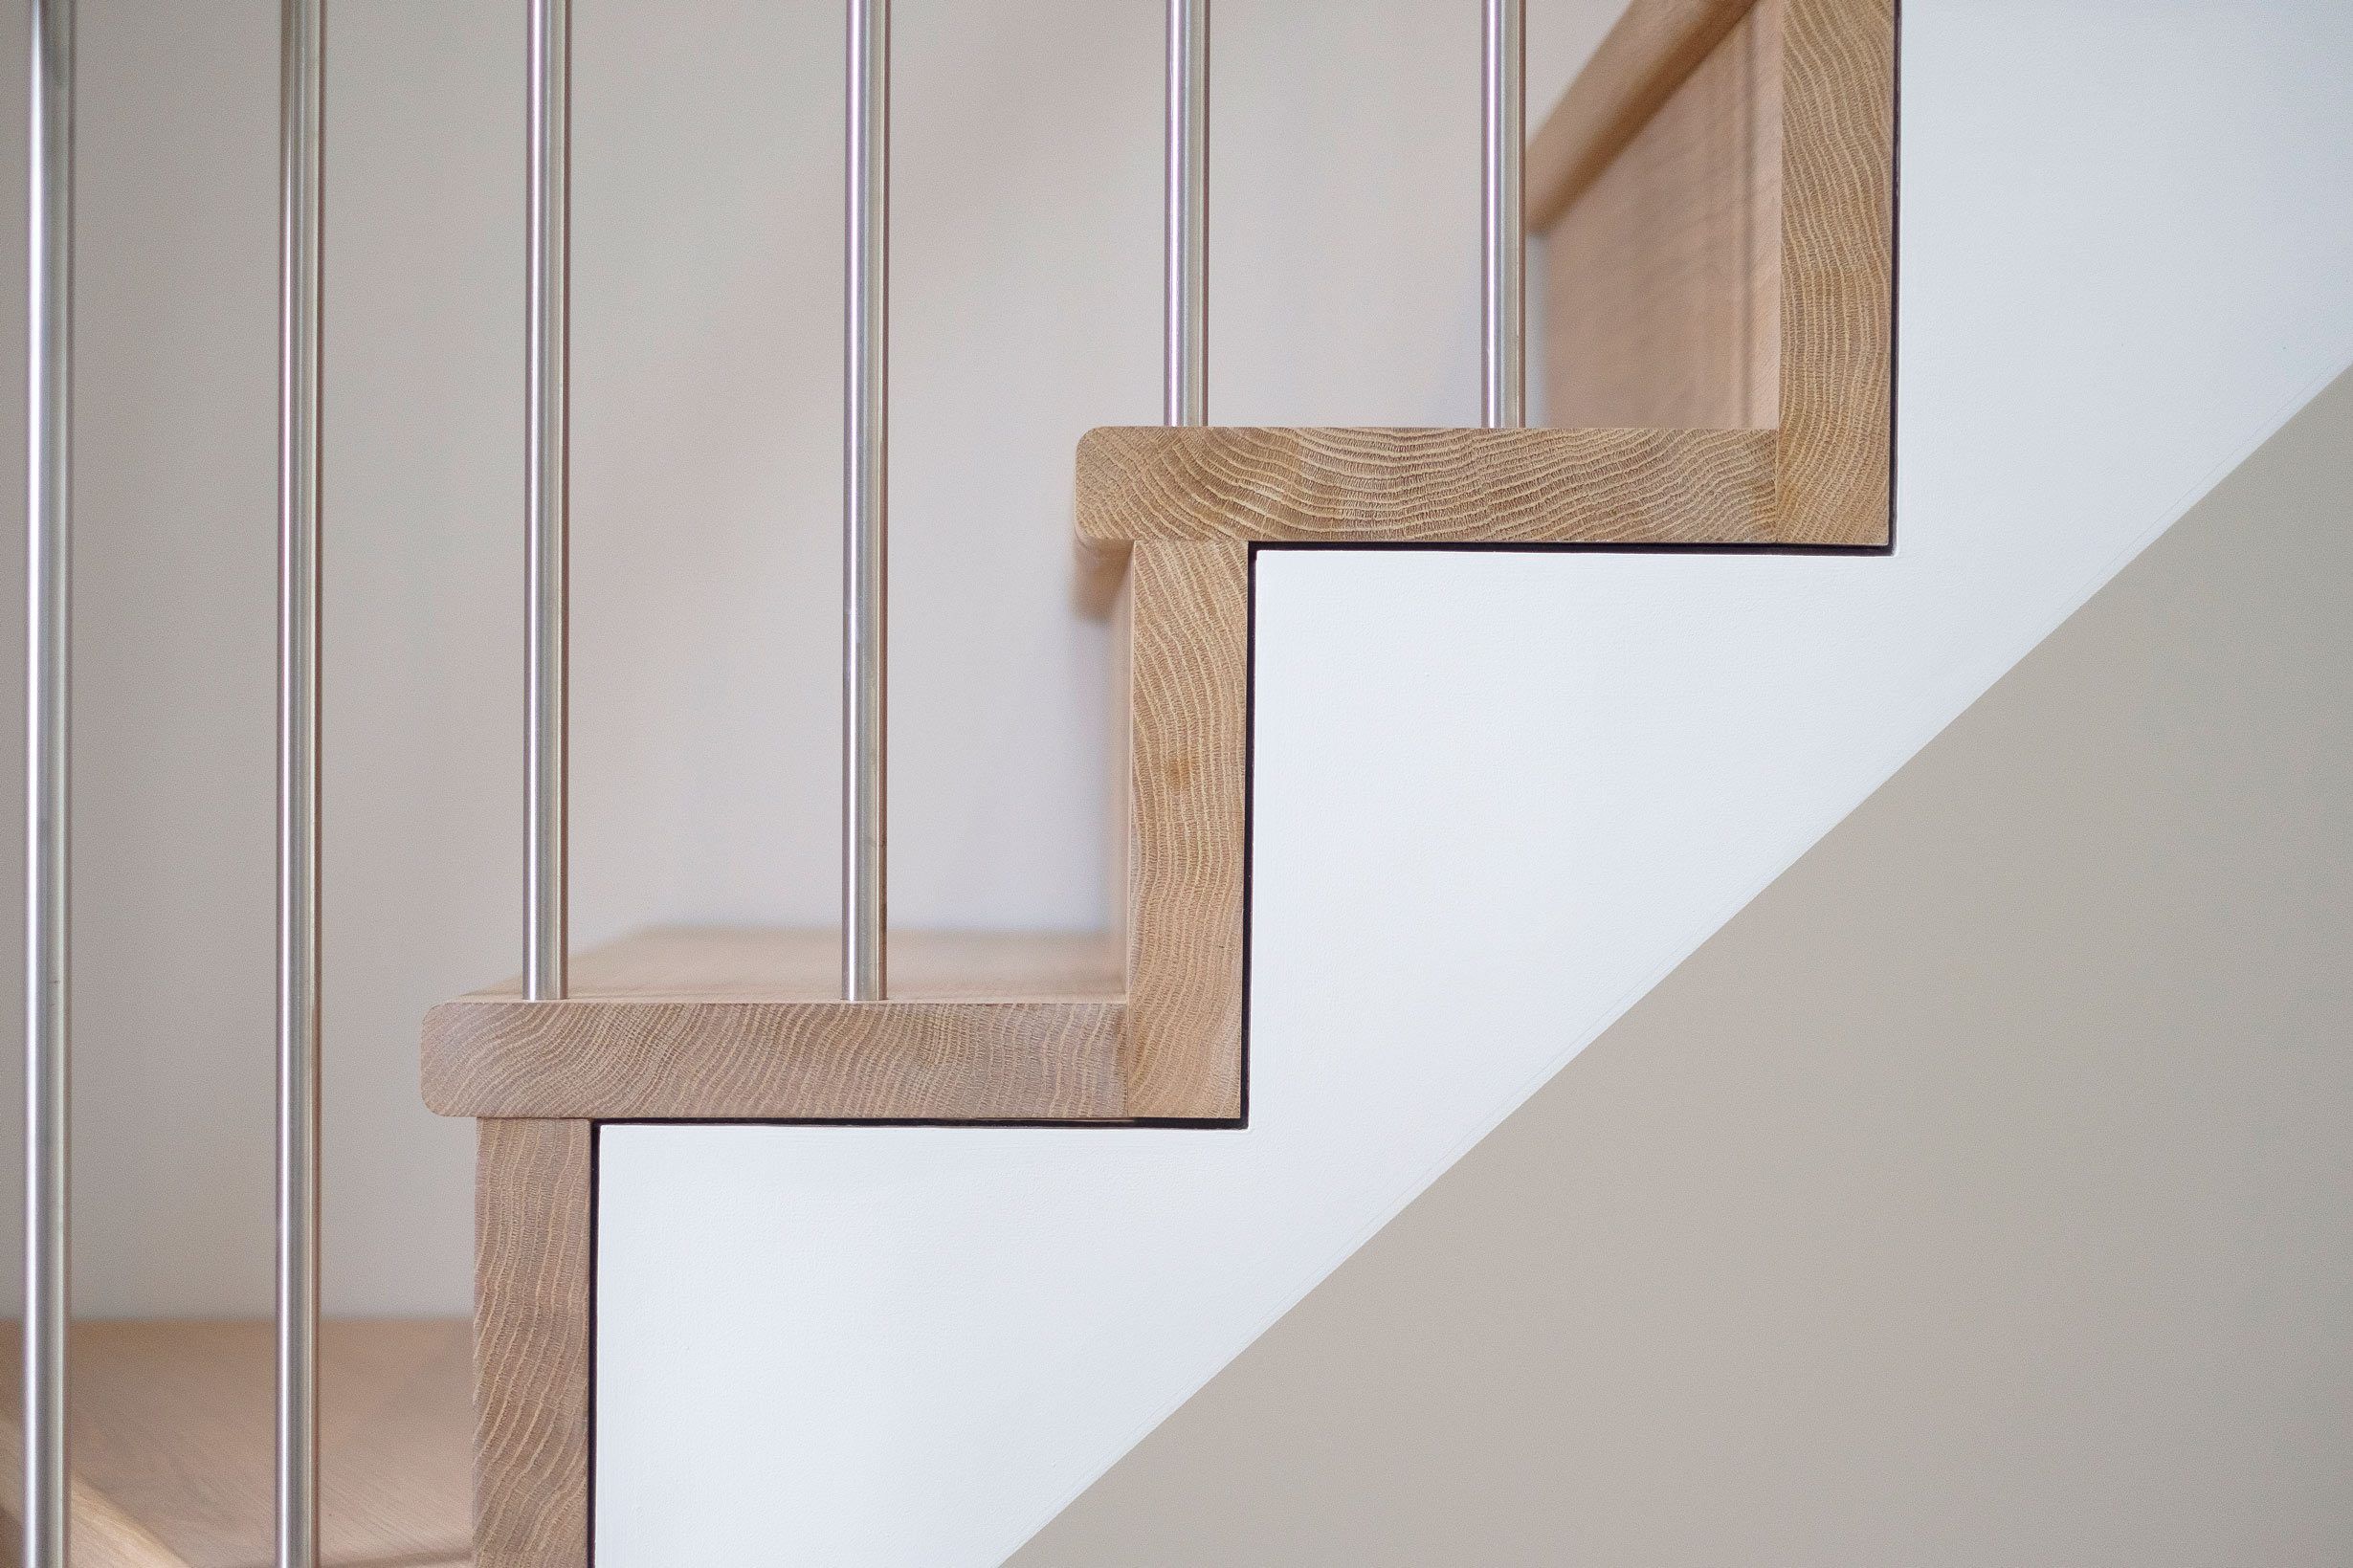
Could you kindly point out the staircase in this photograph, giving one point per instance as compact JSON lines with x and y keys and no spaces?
{"x":1717,"y":192}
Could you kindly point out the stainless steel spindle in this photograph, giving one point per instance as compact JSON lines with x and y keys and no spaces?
{"x":1503,"y":297}
{"x":547,"y":499}
{"x":865,"y":505}
{"x":302,"y":128}
{"x":49,"y":362}
{"x":1186,"y":396}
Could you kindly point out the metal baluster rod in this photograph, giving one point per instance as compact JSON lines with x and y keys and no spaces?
{"x":1503,"y":296}
{"x":49,"y":298}
{"x":301,"y":102}
{"x":1185,"y":395}
{"x":865,"y":505}
{"x":547,"y":499}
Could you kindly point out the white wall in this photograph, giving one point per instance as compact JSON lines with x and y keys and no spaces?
{"x":1497,"y":796}
{"x":706,"y":431}
{"x":2017,"y":1107}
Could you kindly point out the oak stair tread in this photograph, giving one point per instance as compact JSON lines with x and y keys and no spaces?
{"x":1433,"y":486}
{"x":754,"y":964}
{"x":1335,"y":485}
{"x":734,"y":1024}
{"x":173,"y":1438}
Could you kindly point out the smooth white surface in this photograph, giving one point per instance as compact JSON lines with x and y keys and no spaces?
{"x":1498,"y":795}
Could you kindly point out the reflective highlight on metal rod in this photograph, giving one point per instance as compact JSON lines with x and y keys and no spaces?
{"x":865,"y":505}
{"x":547,"y":499}
{"x":1504,"y":295}
{"x":302,"y":101}
{"x":1186,"y":394}
{"x":49,"y":360}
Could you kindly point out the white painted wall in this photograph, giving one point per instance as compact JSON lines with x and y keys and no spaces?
{"x":706,"y":492}
{"x":1497,"y":796}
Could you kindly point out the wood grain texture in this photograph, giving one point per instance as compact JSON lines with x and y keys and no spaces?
{"x":1190,"y":735}
{"x":533,"y":1221}
{"x":1660,"y":290}
{"x":752,"y":963}
{"x":1639,"y":65}
{"x":1662,"y":280}
{"x":729,"y":1024}
{"x":1838,"y":270}
{"x":104,"y":1535}
{"x":1097,"y":572}
{"x":1121,"y":795}
{"x":1426,"y":486}
{"x":173,"y":1439}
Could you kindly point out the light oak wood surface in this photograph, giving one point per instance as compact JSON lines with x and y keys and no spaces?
{"x":104,"y":1535}
{"x":1190,"y":734}
{"x":173,"y":1442}
{"x":534,"y":1251}
{"x":1426,"y":486}
{"x":1837,"y":269}
{"x":1720,"y":187}
{"x":1639,"y":65}
{"x":1718,"y":199}
{"x":737,"y":1024}
{"x":1099,"y":569}
{"x":1118,"y":821}
{"x":1662,"y":279}
{"x":747,"y":963}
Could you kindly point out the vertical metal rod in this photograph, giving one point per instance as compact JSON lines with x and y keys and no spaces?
{"x":547,"y":499}
{"x":49,"y":362}
{"x":1503,"y":296}
{"x":865,"y":505}
{"x":302,"y":103}
{"x":1186,"y":394}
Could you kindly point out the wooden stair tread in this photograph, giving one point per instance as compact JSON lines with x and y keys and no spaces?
{"x":1639,"y":488}
{"x":1341,"y":486}
{"x":748,"y":1024}
{"x":173,"y":1442}
{"x":750,"y":963}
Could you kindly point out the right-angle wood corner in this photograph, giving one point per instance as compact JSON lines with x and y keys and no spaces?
{"x":1717,"y":198}
{"x":1717,"y":194}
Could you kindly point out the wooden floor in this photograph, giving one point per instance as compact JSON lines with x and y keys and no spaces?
{"x":172,"y":1443}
